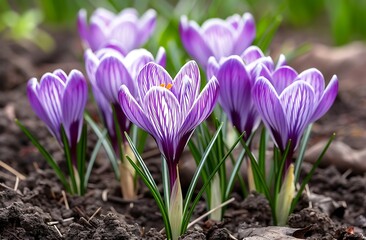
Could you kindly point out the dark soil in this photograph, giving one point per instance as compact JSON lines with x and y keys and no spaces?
{"x":335,"y":207}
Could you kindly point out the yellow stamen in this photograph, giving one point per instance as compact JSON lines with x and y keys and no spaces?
{"x":168,"y":86}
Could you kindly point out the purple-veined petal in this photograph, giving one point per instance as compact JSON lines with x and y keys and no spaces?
{"x":73,"y":103}
{"x":105,"y":109}
{"x":97,"y":35}
{"x":152,"y":75}
{"x":269,"y":107}
{"x":83,"y":27}
{"x":102,"y":15}
{"x":163,"y":111}
{"x":202,"y":107}
{"x":133,"y":110}
{"x":61,"y":74}
{"x":327,"y":99}
{"x":219,"y":37}
{"x":110,"y":75}
{"x":235,"y":86}
{"x":315,"y":78}
{"x":50,"y":96}
{"x":129,"y":13}
{"x":161,"y":57}
{"x":146,"y":26}
{"x":136,"y":59}
{"x":281,"y":61}
{"x":35,"y":102}
{"x":246,"y":33}
{"x":125,"y":34}
{"x":212,"y":67}
{"x":251,"y":54}
{"x":91,"y":64}
{"x":186,"y":85}
{"x":234,"y":20}
{"x":297,"y":102}
{"x":283,"y":77}
{"x":193,"y":41}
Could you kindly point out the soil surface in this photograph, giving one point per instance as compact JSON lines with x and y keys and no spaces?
{"x":33,"y":206}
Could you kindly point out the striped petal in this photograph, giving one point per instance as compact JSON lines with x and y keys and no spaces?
{"x":73,"y":104}
{"x":246,"y":33}
{"x":133,"y":110}
{"x":298,"y":104}
{"x":186,"y":85}
{"x":35,"y":102}
{"x":269,"y":107}
{"x":97,"y":35}
{"x":136,"y":59}
{"x":327,"y":99}
{"x":202,"y":107}
{"x":152,"y":75}
{"x":146,"y":26}
{"x":124,"y":32}
{"x":315,"y":78}
{"x":193,"y":41}
{"x":91,"y":64}
{"x":219,"y":37}
{"x":251,"y":54}
{"x":235,"y":88}
{"x":283,"y":77}
{"x":212,"y":67}
{"x":161,"y":57}
{"x":163,"y":112}
{"x":110,"y":75}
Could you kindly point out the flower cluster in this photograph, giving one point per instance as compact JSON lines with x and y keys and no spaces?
{"x":132,"y":87}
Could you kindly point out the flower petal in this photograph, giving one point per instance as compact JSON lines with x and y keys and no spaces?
{"x":91,"y":64}
{"x":186,"y":85}
{"x":202,"y":107}
{"x":82,"y":25}
{"x":133,"y":110}
{"x":136,"y":59}
{"x":50,"y":96}
{"x":110,"y":75}
{"x":235,"y":87}
{"x":315,"y":78}
{"x":151,"y":75}
{"x":269,"y":107}
{"x":161,"y":57}
{"x":97,"y":35}
{"x":73,"y":104}
{"x":246,"y":33}
{"x":219,"y":37}
{"x":61,"y":74}
{"x":124,"y":34}
{"x":146,"y":26}
{"x":163,"y":111}
{"x":327,"y":99}
{"x":212,"y":67}
{"x":283,"y":77}
{"x":35,"y":102}
{"x":251,"y":54}
{"x":193,"y":41}
{"x":298,"y":104}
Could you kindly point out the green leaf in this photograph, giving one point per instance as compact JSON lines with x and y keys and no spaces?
{"x":93,"y":157}
{"x":311,"y":173}
{"x":46,"y":155}
{"x":74,"y":187}
{"x":196,"y":175}
{"x":81,"y":159}
{"x":146,"y":177}
{"x":300,"y":157}
{"x":105,"y":143}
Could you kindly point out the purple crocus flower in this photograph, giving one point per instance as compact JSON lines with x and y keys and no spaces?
{"x":59,"y":99}
{"x":169,"y":109}
{"x":237,"y":76}
{"x":108,"y":70}
{"x":288,"y":102}
{"x":217,"y":37}
{"x":124,"y":31}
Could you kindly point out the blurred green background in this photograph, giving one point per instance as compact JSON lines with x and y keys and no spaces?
{"x":343,"y":20}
